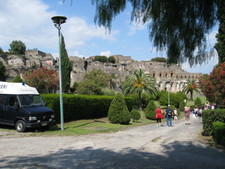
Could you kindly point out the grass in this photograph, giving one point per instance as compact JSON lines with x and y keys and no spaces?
{"x":91,"y":126}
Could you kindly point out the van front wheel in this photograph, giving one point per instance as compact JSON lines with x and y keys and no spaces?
{"x":20,"y":126}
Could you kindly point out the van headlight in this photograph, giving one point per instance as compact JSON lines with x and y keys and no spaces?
{"x":32,"y":118}
{"x":52,"y":116}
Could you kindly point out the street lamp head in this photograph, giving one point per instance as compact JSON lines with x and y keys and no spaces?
{"x":59,"y":19}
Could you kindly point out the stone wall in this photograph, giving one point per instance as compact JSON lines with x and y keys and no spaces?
{"x":168,"y":77}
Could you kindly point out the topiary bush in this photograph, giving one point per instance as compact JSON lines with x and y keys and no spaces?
{"x":182,"y":105}
{"x":150,"y":110}
{"x":118,"y":111}
{"x":135,"y":115}
{"x":198,"y":102}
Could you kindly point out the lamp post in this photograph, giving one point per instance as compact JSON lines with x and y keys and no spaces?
{"x":58,"y":20}
{"x":168,"y":94}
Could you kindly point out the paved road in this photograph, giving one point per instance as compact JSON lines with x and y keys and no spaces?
{"x":145,"y":147}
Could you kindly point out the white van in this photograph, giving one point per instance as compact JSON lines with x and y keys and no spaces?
{"x":21,"y":106}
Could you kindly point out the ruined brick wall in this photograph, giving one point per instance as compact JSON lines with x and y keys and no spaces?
{"x":168,"y":77}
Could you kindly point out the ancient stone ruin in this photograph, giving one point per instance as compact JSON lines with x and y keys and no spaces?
{"x":168,"y":77}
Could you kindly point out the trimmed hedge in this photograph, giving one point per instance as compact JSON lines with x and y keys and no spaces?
{"x":218,"y":132}
{"x":77,"y":107}
{"x":210,"y":116}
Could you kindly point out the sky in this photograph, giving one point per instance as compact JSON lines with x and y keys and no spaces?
{"x":30,"y":22}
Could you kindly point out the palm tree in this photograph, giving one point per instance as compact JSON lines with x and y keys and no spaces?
{"x":191,"y":87}
{"x":138,"y":83}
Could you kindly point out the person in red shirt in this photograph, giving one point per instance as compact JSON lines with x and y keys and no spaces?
{"x":159,"y":116}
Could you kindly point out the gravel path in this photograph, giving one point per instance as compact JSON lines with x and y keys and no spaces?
{"x":145,"y":147}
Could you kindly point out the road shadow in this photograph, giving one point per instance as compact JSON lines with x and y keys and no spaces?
{"x":177,"y":155}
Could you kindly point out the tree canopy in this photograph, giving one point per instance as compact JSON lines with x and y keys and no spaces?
{"x":213,"y":85}
{"x":179,"y":26}
{"x":66,"y":66}
{"x":93,"y":83}
{"x":159,"y":59}
{"x":45,"y":80}
{"x":17,"y":47}
{"x":139,"y":83}
{"x":2,"y":72}
{"x":191,"y":87}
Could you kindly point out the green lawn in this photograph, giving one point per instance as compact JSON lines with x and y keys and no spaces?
{"x":82,"y":127}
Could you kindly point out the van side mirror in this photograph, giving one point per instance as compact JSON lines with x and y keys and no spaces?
{"x":16,"y":105}
{"x":45,"y":103}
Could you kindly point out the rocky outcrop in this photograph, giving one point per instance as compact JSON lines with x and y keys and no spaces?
{"x":18,"y":64}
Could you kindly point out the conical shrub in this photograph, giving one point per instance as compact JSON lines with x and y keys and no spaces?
{"x":182,"y":105}
{"x":150,"y":110}
{"x":198,"y":102}
{"x":135,"y":115}
{"x":118,"y":111}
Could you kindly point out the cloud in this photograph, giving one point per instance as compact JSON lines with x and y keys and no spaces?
{"x":77,"y":31}
{"x":106,"y":53}
{"x":205,"y":68}
{"x":211,"y":37}
{"x":136,"y":26}
{"x":22,"y":20}
{"x":30,"y":22}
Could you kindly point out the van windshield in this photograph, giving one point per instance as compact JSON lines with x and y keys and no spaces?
{"x":30,"y":100}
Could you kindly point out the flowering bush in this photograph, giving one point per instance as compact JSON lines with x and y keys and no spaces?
{"x":45,"y":80}
{"x":213,"y":85}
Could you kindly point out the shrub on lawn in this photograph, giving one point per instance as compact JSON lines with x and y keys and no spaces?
{"x":118,"y":111}
{"x":150,"y":110}
{"x":198,"y":102}
{"x":135,"y":115}
{"x":182,"y":105}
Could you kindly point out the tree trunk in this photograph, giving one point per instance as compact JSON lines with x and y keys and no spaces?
{"x":191,"y":93}
{"x":139,"y":101}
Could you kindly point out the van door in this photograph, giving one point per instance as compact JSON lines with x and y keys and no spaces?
{"x":2,"y":107}
{"x":10,"y":111}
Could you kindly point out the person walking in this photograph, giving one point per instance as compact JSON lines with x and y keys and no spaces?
{"x":175,"y":115}
{"x":158,"y":116}
{"x":169,"y":115}
{"x":187,"y":112}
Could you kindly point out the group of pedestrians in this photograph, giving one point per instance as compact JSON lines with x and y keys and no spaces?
{"x":169,"y":114}
{"x":172,"y":115}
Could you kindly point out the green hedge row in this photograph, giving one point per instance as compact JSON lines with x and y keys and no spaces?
{"x":77,"y":107}
{"x":218,"y":132}
{"x":210,"y":116}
